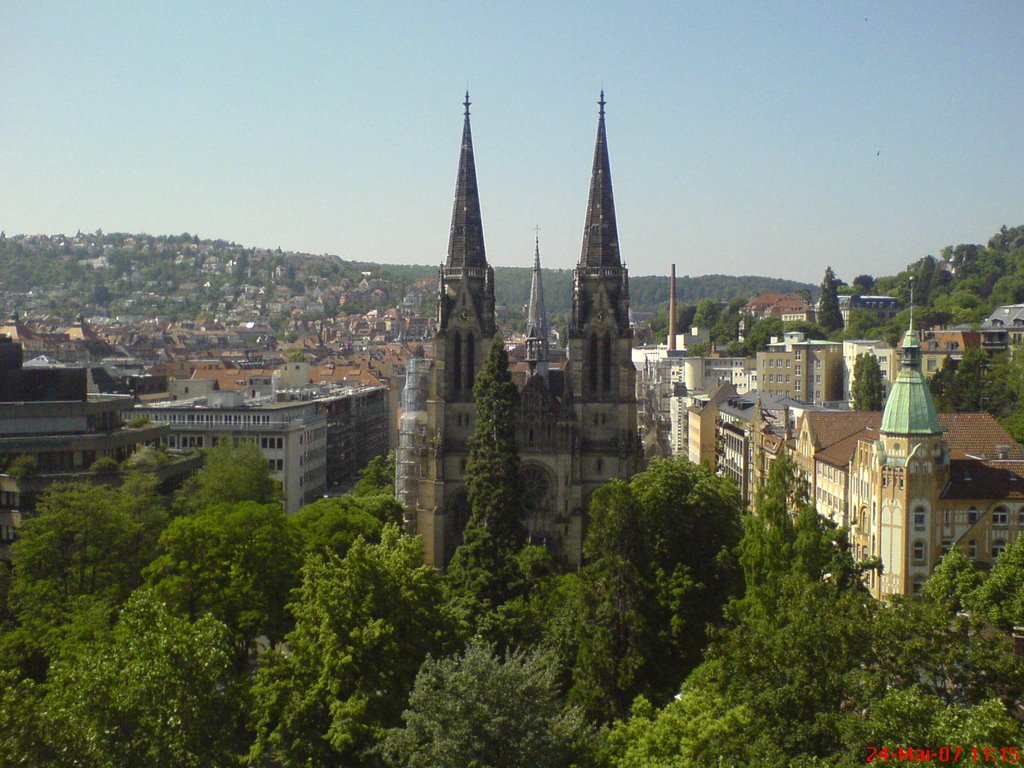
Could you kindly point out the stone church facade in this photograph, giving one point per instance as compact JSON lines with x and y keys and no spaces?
{"x":577,"y":426}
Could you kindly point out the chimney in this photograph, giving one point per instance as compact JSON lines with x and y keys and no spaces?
{"x":672,"y":309}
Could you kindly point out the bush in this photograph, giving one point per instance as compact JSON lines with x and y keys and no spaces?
{"x":23,"y":466}
{"x":138,"y":422}
{"x":104,"y":464}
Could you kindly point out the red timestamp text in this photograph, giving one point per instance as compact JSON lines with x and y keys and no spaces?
{"x":945,"y":754}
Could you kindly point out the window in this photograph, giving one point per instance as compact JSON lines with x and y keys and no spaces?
{"x":600,"y":466}
{"x":997,"y":548}
{"x":1000,"y":517}
{"x":947,"y":544}
{"x":918,"y":552}
{"x":919,"y":519}
{"x":972,"y":515}
{"x":918,"y":584}
{"x":972,"y":549}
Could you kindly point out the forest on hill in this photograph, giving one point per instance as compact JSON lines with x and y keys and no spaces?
{"x":174,"y":275}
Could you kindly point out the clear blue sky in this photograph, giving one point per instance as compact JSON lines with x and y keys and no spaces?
{"x":745,"y":138}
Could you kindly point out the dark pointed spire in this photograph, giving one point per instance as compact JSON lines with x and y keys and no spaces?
{"x":600,"y":234}
{"x":466,"y":238}
{"x":536,"y":315}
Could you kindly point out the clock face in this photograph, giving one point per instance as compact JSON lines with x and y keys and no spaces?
{"x":463,"y":314}
{"x":600,"y":315}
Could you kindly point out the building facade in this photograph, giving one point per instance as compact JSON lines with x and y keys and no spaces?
{"x":577,"y":426}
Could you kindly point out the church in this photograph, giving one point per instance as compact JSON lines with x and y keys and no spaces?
{"x":577,"y":426}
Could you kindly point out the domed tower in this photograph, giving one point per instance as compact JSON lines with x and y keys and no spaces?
{"x":912,"y":463}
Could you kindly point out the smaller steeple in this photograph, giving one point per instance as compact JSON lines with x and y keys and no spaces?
{"x":536,"y":318}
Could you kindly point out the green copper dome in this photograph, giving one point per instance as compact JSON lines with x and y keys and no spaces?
{"x":910,"y":409}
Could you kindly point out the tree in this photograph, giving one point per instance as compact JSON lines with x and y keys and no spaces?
{"x":868,"y":389}
{"x":84,"y":549}
{"x":658,"y":572}
{"x":332,"y":525}
{"x":157,"y":691}
{"x":762,"y":331}
{"x":231,"y":474}
{"x":237,"y":562}
{"x":829,"y":316}
{"x":483,"y":570}
{"x":480,"y":709}
{"x":364,"y":624}
{"x":1000,"y":599}
{"x":377,"y":477}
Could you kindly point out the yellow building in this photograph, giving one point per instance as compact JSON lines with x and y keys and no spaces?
{"x":804,"y":369}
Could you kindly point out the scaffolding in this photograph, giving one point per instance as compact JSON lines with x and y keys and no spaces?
{"x":412,"y":433}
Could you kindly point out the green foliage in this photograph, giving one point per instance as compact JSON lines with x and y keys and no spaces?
{"x":137,"y":422}
{"x":377,"y":477}
{"x":332,"y":525}
{"x":157,"y":691}
{"x":104,"y":464}
{"x":83,"y":550}
{"x":231,"y":474}
{"x":1000,"y":599}
{"x":482,"y":710}
{"x":658,"y":571}
{"x":483,"y":573}
{"x":762,"y":332}
{"x":868,"y":389}
{"x":237,"y":562}
{"x":22,"y":466}
{"x":829,"y":316}
{"x":364,"y":625}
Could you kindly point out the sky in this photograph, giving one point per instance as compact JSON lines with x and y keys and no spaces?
{"x":768,"y":138}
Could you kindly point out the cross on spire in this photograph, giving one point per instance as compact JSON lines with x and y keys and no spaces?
{"x":466,"y":103}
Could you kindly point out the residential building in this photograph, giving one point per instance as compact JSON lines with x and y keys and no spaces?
{"x":803,"y":369}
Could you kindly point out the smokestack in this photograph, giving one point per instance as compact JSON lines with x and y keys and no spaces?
{"x":672,"y":309}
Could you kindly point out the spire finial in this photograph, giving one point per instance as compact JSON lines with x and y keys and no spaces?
{"x":601,"y":103}
{"x":911,"y":302}
{"x":467,"y":102}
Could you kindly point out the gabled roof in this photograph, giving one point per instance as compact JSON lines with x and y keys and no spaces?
{"x":829,"y":427}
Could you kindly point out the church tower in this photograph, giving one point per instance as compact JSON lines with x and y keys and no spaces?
{"x":465,"y":327}
{"x":601,"y":374}
{"x":576,"y":426}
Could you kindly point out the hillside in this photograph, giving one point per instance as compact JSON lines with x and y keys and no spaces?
{"x":177,"y":276}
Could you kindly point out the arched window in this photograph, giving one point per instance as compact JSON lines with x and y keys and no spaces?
{"x":592,"y":364}
{"x":1000,"y":517}
{"x":918,"y":584}
{"x":997,"y":548}
{"x":470,"y":362}
{"x":456,"y":362}
{"x":606,"y":382}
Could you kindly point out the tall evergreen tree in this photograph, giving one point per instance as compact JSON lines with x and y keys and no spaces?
{"x":483,"y":569}
{"x":867,"y":388}
{"x":829,"y":316}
